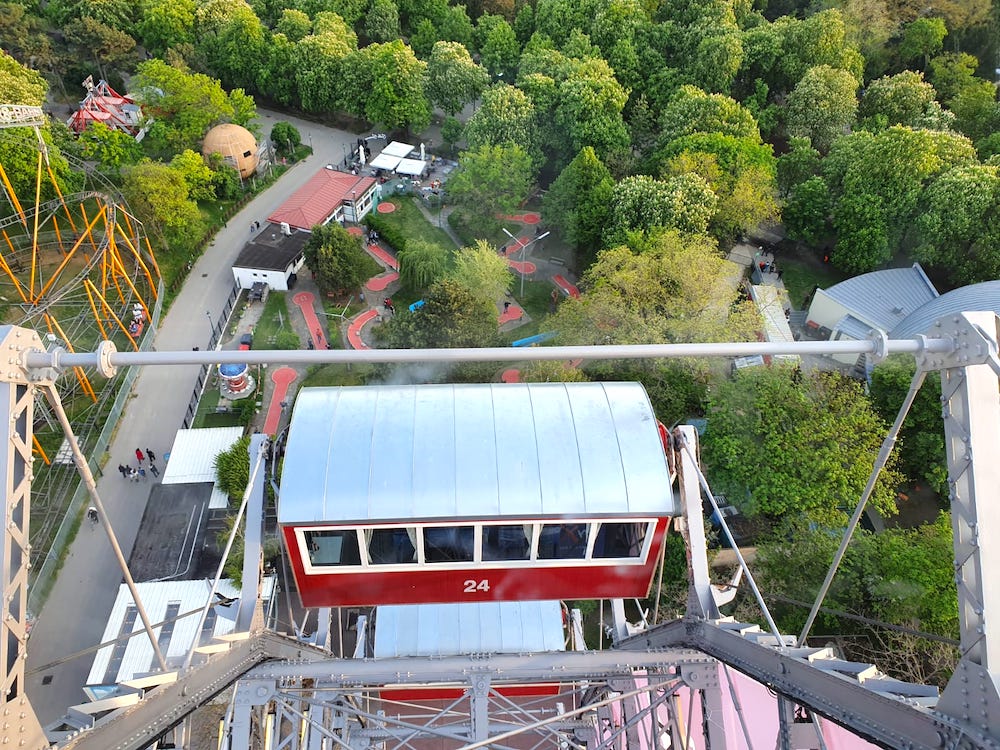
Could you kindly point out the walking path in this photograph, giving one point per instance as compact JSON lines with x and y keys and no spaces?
{"x":306,"y":302}
{"x":77,"y":610}
{"x":282,"y":378}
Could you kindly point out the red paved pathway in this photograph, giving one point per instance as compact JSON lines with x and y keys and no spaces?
{"x":355,"y":326}
{"x":511,"y":376}
{"x":356,"y":231}
{"x":514,"y":312}
{"x":564,"y":284}
{"x":379,"y":283}
{"x":523,"y":267}
{"x":383,"y":256}
{"x":528,"y":218}
{"x":282,"y":378}
{"x":305,"y":302}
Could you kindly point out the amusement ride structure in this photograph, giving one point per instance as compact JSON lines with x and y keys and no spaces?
{"x":76,"y":267}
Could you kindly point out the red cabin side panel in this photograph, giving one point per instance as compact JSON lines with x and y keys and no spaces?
{"x":431,"y":585}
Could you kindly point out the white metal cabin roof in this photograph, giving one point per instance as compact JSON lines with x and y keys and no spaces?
{"x":192,"y":458}
{"x":468,"y":628}
{"x":473,"y":451}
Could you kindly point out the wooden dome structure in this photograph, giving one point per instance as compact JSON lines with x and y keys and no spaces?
{"x":235,"y":144}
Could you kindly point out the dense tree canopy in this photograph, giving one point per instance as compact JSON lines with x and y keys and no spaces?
{"x":337,"y":259}
{"x":579,"y":201}
{"x":780,"y":441}
{"x":822,"y":105}
{"x":453,"y":79}
{"x":684,"y":202}
{"x":18,"y":84}
{"x":160,"y":198}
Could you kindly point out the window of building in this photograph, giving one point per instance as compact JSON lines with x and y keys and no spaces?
{"x":449,"y":543}
{"x":510,"y":542}
{"x":563,"y":541}
{"x":391,"y":546}
{"x":617,"y":539}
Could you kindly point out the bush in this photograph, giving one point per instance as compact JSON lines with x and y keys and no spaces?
{"x":285,"y":138}
{"x":287,"y":340}
{"x":388,"y":232}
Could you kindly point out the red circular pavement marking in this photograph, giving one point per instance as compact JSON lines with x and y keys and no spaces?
{"x":282,"y":378}
{"x":511,"y":376}
{"x":386,"y":208}
{"x":531,"y":218}
{"x":523,"y":267}
{"x":356,"y":231}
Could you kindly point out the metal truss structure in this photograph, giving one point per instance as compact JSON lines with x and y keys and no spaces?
{"x":671,"y":685}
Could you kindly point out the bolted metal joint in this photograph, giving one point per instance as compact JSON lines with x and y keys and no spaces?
{"x":881,"y":346}
{"x":105,"y":350}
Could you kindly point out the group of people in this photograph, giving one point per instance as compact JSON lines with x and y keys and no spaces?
{"x":135,"y":474}
{"x":254,"y":226}
{"x":372,"y":237}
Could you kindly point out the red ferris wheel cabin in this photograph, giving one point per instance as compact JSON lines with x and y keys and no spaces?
{"x":472,"y":493}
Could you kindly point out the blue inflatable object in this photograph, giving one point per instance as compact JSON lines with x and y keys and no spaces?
{"x":417,"y":305}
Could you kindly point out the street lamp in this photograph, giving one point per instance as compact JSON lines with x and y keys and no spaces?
{"x":211,"y":327}
{"x":523,"y":248}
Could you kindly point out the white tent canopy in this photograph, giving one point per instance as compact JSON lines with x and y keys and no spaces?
{"x":397,"y":148}
{"x":385,"y":161}
{"x":412,"y":167}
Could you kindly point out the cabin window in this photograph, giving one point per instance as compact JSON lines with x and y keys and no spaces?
{"x":328,"y":547}
{"x":510,"y":542}
{"x":563,"y":541}
{"x":619,"y":540}
{"x":391,"y":546}
{"x":449,"y":543}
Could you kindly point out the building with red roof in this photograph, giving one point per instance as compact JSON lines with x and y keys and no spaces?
{"x":329,"y":196}
{"x":104,"y":104}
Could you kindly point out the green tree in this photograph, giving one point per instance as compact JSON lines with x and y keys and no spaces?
{"x":922,"y":37}
{"x":337,"y":259}
{"x":18,"y":84}
{"x":484,"y":272}
{"x":385,"y":84}
{"x":958,"y":226}
{"x":921,"y":444}
{"x":781,"y":441}
{"x":579,"y":202}
{"x":589,"y":112}
{"x":196,"y":173}
{"x":667,"y":287}
{"x":294,"y":24}
{"x":951,"y":72}
{"x":641,"y":203}
{"x":235,"y":51}
{"x":183,"y":105}
{"x":693,"y":111}
{"x":232,"y":468}
{"x":506,"y":115}
{"x":556,"y":19}
{"x":491,"y":178}
{"x":977,"y":109}
{"x":421,"y":263}
{"x":319,"y":61}
{"x":876,"y":182}
{"x":740,"y":172}
{"x":105,"y":45}
{"x":277,"y":74}
{"x":382,"y":21}
{"x":112,"y":148}
{"x":450,"y":317}
{"x":806,"y":214}
{"x":285,"y":137}
{"x":800,"y":163}
{"x":19,"y":157}
{"x":819,"y":39}
{"x":165,"y":24}
{"x":822,"y":106}
{"x":901,"y":99}
{"x":498,"y":46}
{"x":451,"y":131}
{"x":453,"y":79}
{"x":159,"y":197}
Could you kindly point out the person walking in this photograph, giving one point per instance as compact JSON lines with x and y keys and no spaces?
{"x":123,"y":470}
{"x":153,"y":470}
{"x":151,"y":455}
{"x":133,"y":474}
{"x":139,"y":456}
{"x":142,"y":474}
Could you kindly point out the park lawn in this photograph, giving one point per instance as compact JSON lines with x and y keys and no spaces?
{"x":801,"y":277}
{"x":274,"y":320}
{"x":414,"y":225}
{"x":337,"y":374}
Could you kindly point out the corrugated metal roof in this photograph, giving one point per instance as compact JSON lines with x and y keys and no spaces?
{"x":192,"y":456}
{"x":473,"y":451}
{"x":468,"y":628}
{"x":138,"y":658}
{"x":853,"y":328}
{"x":881,"y":299}
{"x":984,"y":296}
{"x":315,"y":202}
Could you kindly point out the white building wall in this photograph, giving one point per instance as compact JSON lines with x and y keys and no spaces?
{"x":276,"y":280}
{"x":825,"y":311}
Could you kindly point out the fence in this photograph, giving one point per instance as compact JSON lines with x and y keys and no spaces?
{"x":44,"y":574}
{"x":218,"y":328}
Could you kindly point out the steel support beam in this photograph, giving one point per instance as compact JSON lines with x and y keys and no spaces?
{"x":971,"y":401}
{"x":884,"y":719}
{"x":19,"y":726}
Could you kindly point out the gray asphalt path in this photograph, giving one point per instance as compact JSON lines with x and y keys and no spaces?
{"x":75,"y":615}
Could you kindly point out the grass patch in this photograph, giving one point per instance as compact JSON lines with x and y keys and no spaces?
{"x":274,"y":320}
{"x":800,"y":278}
{"x":537,"y":297}
{"x":408,"y":219}
{"x":469,"y":229}
{"x":337,"y":374}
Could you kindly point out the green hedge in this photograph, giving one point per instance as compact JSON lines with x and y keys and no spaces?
{"x":390,"y":233}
